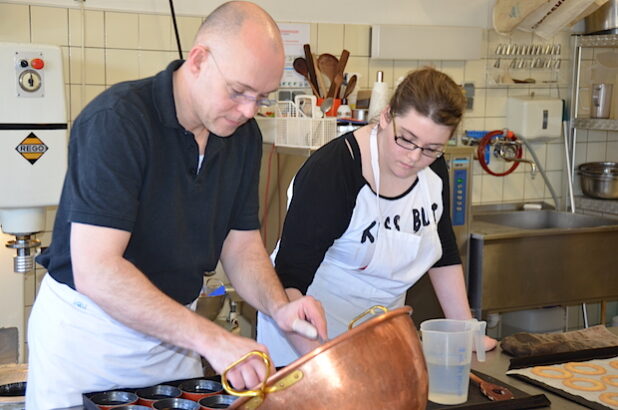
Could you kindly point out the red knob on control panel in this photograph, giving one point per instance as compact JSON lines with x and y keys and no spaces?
{"x":37,"y":63}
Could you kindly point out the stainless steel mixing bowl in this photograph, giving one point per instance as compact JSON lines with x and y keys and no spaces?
{"x":599,"y":179}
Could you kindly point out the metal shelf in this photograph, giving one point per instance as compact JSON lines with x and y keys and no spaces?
{"x":579,"y":42}
{"x":523,"y":86}
{"x":602,"y":40}
{"x":595,"y":124}
{"x":607,"y":207}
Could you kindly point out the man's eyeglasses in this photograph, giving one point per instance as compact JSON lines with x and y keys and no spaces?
{"x":411,"y":146}
{"x":238,"y":97}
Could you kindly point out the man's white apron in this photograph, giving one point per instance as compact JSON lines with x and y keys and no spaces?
{"x":75,"y":347}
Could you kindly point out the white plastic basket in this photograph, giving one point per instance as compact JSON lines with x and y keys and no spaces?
{"x":293,"y":128}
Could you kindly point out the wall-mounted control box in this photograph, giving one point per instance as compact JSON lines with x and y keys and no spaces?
{"x":534,"y":117}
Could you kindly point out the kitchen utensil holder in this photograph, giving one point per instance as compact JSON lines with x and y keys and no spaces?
{"x":294,"y":129}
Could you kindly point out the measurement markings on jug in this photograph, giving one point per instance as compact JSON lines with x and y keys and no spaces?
{"x":31,"y":148}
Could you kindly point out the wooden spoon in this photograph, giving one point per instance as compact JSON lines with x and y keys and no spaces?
{"x":301,"y":67}
{"x":350,"y":87}
{"x":333,"y":91}
{"x":491,"y":390}
{"x":328,"y":65}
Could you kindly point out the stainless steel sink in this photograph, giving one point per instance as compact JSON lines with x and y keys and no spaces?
{"x":544,"y":219}
{"x":521,"y":259}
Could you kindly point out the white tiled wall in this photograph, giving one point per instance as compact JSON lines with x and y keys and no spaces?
{"x":123,"y":46}
{"x":118,"y":47}
{"x":15,"y":21}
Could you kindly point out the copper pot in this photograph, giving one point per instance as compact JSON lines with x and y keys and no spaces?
{"x":376,"y":365}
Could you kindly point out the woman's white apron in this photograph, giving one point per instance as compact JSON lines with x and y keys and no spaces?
{"x":399,"y":260}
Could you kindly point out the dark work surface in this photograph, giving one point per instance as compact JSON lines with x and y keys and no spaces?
{"x":476,"y":400}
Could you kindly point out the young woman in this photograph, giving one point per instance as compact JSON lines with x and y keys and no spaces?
{"x":368,"y":216}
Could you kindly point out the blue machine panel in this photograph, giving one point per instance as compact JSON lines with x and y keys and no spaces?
{"x":460,"y":189}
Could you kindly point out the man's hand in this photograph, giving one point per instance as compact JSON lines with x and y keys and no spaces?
{"x":229,"y":348}
{"x":225,"y":348}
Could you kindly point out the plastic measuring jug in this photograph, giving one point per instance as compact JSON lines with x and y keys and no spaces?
{"x":447,"y":346}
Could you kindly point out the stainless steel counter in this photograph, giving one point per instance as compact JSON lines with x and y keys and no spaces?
{"x":527,"y":259}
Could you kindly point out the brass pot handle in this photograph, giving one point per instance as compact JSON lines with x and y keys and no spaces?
{"x":371,"y":310}
{"x":247,"y":393}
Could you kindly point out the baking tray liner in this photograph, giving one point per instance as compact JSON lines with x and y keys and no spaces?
{"x":560,"y":358}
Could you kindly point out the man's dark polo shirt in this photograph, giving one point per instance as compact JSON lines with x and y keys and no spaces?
{"x":133,"y":167}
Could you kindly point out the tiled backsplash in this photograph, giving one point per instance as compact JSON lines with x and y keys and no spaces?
{"x":124,"y":46}
{"x":120,"y":46}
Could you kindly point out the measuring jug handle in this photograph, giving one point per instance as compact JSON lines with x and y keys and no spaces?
{"x":479,"y":338}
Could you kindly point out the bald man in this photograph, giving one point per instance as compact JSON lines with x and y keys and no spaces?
{"x":162,"y":184}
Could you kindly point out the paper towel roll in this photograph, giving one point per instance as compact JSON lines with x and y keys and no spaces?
{"x":379,"y":99}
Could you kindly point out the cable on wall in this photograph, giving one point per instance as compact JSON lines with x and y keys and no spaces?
{"x":176,"y":28}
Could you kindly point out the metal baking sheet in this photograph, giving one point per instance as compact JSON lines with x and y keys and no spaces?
{"x":558,"y":359}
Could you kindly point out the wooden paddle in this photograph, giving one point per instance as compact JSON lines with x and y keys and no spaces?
{"x":333,"y":91}
{"x":507,"y":14}
{"x":318,"y":74}
{"x":311,"y":67}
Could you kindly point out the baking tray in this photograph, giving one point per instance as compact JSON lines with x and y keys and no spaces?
{"x":476,"y":399}
{"x":559,"y":358}
{"x":89,"y":405}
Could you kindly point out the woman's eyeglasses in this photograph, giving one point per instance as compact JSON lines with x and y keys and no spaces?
{"x":411,"y":146}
